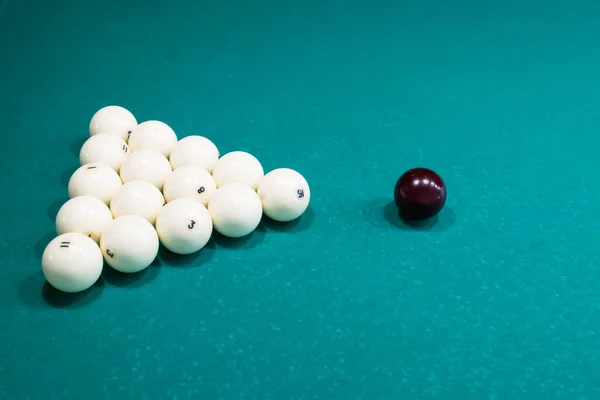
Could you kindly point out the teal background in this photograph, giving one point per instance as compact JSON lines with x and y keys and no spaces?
{"x":496,"y":299}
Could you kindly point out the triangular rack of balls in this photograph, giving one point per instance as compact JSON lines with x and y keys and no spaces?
{"x":139,"y":185}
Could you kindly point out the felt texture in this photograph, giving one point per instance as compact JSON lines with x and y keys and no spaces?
{"x":497,"y":298}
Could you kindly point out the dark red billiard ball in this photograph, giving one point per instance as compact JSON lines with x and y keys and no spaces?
{"x":420,"y":194}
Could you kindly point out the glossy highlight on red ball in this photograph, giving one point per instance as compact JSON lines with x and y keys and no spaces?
{"x":419,"y":194}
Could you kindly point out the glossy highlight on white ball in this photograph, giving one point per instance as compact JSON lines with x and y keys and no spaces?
{"x":139,"y":198}
{"x":129,"y":244}
{"x":96,"y":180}
{"x":72,"y":262}
{"x":238,"y":167}
{"x":184,"y":226}
{"x":104,"y":148}
{"x":235,"y":209}
{"x":284,"y":194}
{"x":115,"y":120}
{"x":83,"y":214}
{"x":195,"y":150}
{"x":146,"y":165}
{"x":190,"y":181}
{"x":153,"y":135}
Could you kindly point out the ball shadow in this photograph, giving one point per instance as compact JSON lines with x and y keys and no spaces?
{"x":302,"y":223}
{"x":40,"y":245}
{"x":66,"y":175}
{"x":54,"y":207}
{"x":78,"y":144}
{"x":441,"y":222}
{"x":196,"y":259}
{"x":36,"y":292}
{"x":249,"y":241}
{"x":133,"y":280}
{"x":383,"y":213}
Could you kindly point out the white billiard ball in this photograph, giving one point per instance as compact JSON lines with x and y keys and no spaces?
{"x":190,"y":181}
{"x":153,"y":135}
{"x":72,"y":262}
{"x":284,"y":194}
{"x":139,"y":198}
{"x":83,"y":214}
{"x":129,"y":244}
{"x":235,"y":209}
{"x":146,"y":165}
{"x":195,"y":150}
{"x":238,"y":167}
{"x":115,"y":120}
{"x":96,"y":180}
{"x":184,"y":226}
{"x":106,"y":149}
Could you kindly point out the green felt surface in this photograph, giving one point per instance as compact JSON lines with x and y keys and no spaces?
{"x":497,"y":299}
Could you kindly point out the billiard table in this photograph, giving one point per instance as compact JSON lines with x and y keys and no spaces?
{"x":495,"y":298}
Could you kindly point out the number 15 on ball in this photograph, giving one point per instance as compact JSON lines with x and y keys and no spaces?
{"x":284,"y":194}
